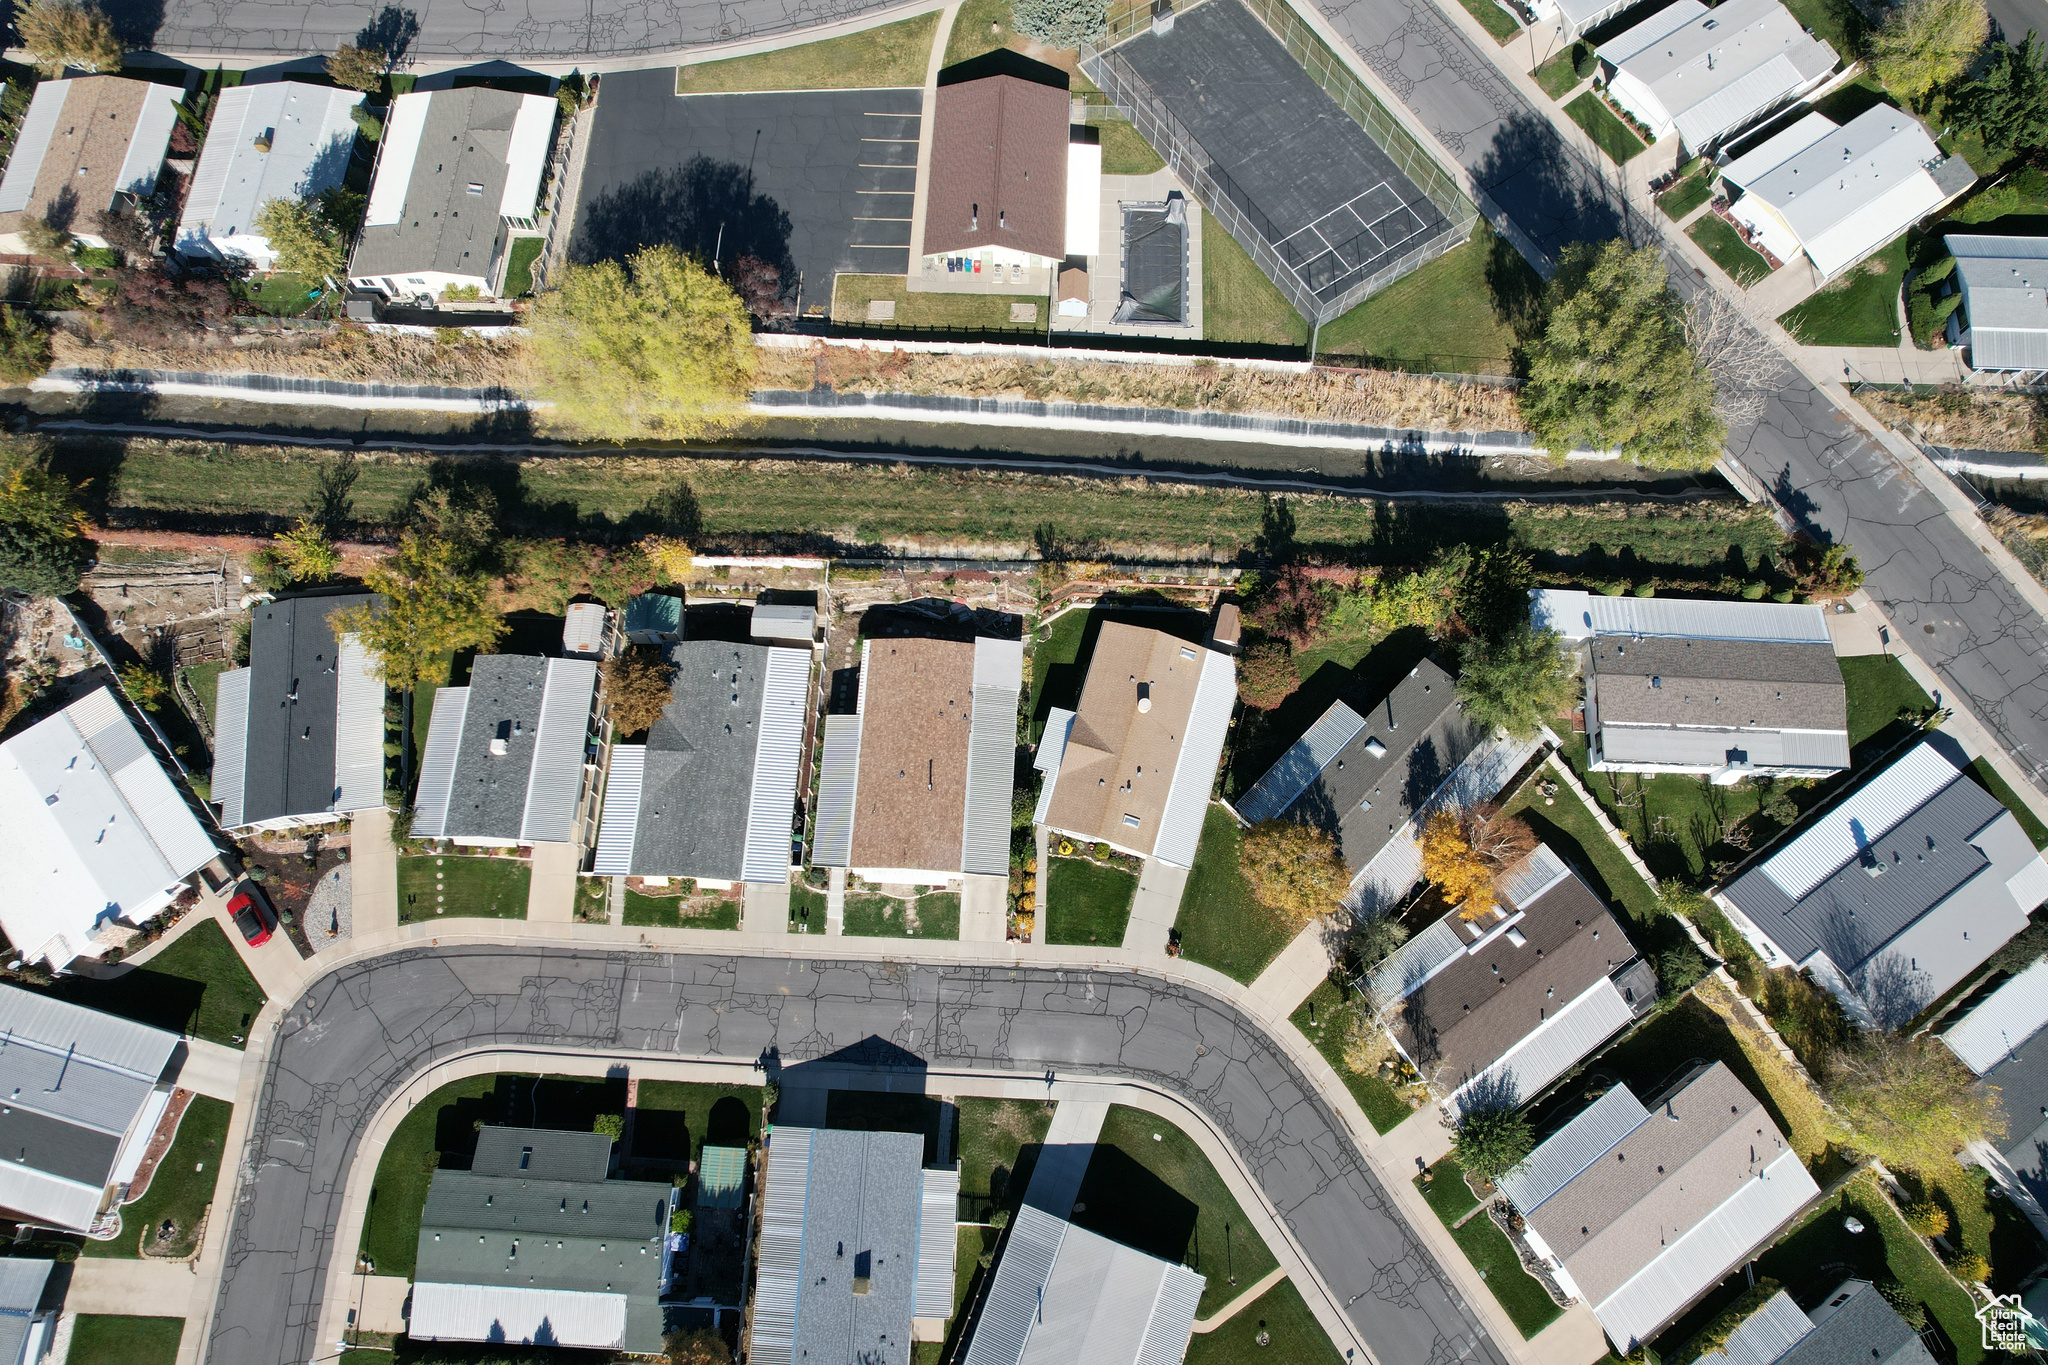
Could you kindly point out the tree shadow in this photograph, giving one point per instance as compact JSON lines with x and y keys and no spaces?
{"x":136,"y":22}
{"x":1516,"y":291}
{"x":703,"y":208}
{"x":1546,"y":188}
{"x":390,"y":31}
{"x":729,"y":1124}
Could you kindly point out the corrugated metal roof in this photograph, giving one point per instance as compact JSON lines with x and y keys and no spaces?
{"x":1417,"y":960}
{"x":1682,"y":745}
{"x":555,"y":1317}
{"x":991,"y":771}
{"x":778,"y":1263}
{"x":2003,"y":281}
{"x":1711,"y":72}
{"x":771,"y":806}
{"x":1574,"y":1147}
{"x":556,"y":779}
{"x":1003,"y":1329}
{"x":230,"y":738}
{"x":621,"y":811}
{"x":583,"y":628}
{"x":310,"y":136}
{"x":21,"y":1293}
{"x":1764,"y":1335}
{"x":1879,"y":805}
{"x":32,"y":144}
{"x":48,"y":1200}
{"x":147,"y":144}
{"x":58,"y":1025}
{"x":838,"y":771}
{"x":1706,"y":1252}
{"x":937,"y":1243}
{"x":1999,"y":1023}
{"x":1527,"y":880}
{"x":165,"y":815}
{"x":1194,"y":771}
{"x":1576,"y":615}
{"x":1052,"y":747}
{"x":721,"y":1177}
{"x":359,"y":729}
{"x":783,"y":621}
{"x":1289,"y":777}
{"x":1173,"y":1317}
{"x":437,"y":763}
{"x":1556,"y":1046}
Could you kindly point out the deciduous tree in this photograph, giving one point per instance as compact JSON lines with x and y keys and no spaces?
{"x":1500,"y":841}
{"x":637,"y":685}
{"x":45,"y":238}
{"x":1458,"y":871}
{"x":303,"y":238}
{"x":43,"y":546}
{"x":702,"y":1347}
{"x":657,"y":345}
{"x":1518,"y":682}
{"x":68,"y":33}
{"x":1265,"y":674}
{"x":150,"y":305}
{"x":357,"y":68}
{"x":303,"y":554}
{"x":437,"y":600}
{"x":1908,"y":1101}
{"x":1613,"y":367}
{"x":1924,"y":44}
{"x":2007,"y":104}
{"x":24,"y":346}
{"x":1490,"y":1142}
{"x":1292,"y":869}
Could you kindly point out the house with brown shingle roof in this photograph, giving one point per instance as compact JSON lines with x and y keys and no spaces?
{"x":86,"y":145}
{"x":1134,"y":765}
{"x":1640,"y":1209}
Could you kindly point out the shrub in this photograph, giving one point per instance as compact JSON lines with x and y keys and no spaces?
{"x":1969,"y":1267}
{"x":1060,"y":23}
{"x":1903,"y":1303}
{"x":357,"y":68}
{"x":670,"y":558}
{"x":144,"y":685}
{"x":1292,"y":869}
{"x":611,"y":1125}
{"x":1927,"y":1218}
{"x":1753,"y":591}
{"x":1491,"y":1142}
{"x":1680,"y":968}
{"x":1265,"y":674}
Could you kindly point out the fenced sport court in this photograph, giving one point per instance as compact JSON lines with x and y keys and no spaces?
{"x":1299,"y":162}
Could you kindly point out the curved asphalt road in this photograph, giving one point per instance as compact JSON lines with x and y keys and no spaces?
{"x":361,"y":1031}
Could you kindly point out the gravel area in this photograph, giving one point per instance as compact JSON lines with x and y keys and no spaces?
{"x":327,"y":909}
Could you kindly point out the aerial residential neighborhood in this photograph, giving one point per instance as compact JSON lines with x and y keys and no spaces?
{"x":1011,"y":682}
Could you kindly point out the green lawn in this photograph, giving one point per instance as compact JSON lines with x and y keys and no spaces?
{"x":1448,"y":316}
{"x":1125,"y":151}
{"x":1221,"y":924}
{"x":1607,"y":130}
{"x":938,"y":916}
{"x":482,"y":888}
{"x":673,"y":1120}
{"x":1560,"y":75}
{"x":1149,"y":1186}
{"x":1087,"y":903}
{"x":1564,"y":814}
{"x":104,"y":1339}
{"x":1834,"y":20}
{"x":1740,"y":261}
{"x":182,"y":1186}
{"x":666,"y":912}
{"x":1860,"y":309}
{"x":1880,"y":692}
{"x":1238,"y":302}
{"x":198,"y":985}
{"x":519,"y":266}
{"x":391,"y":1227}
{"x":890,"y":55}
{"x":1988,"y":778}
{"x":851,"y":295}
{"x":998,"y":1144}
{"x":205,"y":683}
{"x":1294,"y":1337}
{"x":1324,"y":1019}
{"x":280,"y":295}
{"x":1687,"y":195}
{"x":1527,"y":1303}
{"x":1492,"y":18}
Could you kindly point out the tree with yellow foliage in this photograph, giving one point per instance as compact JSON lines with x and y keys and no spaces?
{"x":1461,"y":872}
{"x":1292,"y":869}
{"x":670,"y":556}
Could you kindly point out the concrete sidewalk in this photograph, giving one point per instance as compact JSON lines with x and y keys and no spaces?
{"x":1293,"y":976}
{"x":373,"y":885}
{"x":210,"y":1069}
{"x":1063,"y":1156}
{"x":551,"y":891}
{"x":1155,"y":907}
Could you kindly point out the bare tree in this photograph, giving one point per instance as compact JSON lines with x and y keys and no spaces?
{"x":1745,"y":366}
{"x":1500,"y":841}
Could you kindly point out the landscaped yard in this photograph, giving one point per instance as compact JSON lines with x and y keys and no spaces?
{"x":1881,"y":691}
{"x":1086,"y":902}
{"x":1325,"y":1019}
{"x":891,"y":55}
{"x":1560,"y":75}
{"x":280,"y":294}
{"x":998,"y":1146}
{"x":1606,"y":129}
{"x":1293,"y":1336}
{"x":1149,"y":1186}
{"x":198,"y":985}
{"x":1861,"y":309}
{"x":1687,"y":195}
{"x":666,"y":912}
{"x":205,"y":683}
{"x":1125,"y":151}
{"x":937,"y":915}
{"x":519,"y":266}
{"x":1492,"y":18}
{"x":1221,"y":924}
{"x":1448,"y":316}
{"x":1527,"y":1303}
{"x":1740,"y":261}
{"x":180,"y":1189}
{"x":107,"y":1339}
{"x":851,"y":295}
{"x":1238,"y":302}
{"x":431,"y":884}
{"x":673,"y":1120}
{"x":1565,"y":822}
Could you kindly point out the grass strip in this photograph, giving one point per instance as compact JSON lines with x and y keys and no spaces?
{"x":874,"y":58}
{"x":1222,"y":925}
{"x":451,"y":885}
{"x":1606,"y":129}
{"x":181,"y":1187}
{"x":1526,"y":1302}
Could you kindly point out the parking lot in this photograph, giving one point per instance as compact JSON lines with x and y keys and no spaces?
{"x":812,"y":182}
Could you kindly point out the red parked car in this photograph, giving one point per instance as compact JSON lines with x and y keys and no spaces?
{"x":251,"y":917}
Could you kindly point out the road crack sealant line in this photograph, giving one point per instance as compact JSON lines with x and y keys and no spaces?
{"x":1083,"y":468}
{"x":361,"y":1031}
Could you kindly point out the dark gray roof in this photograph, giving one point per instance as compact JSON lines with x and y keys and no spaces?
{"x":541,"y":1154}
{"x":488,"y":796}
{"x":698,"y":782}
{"x":1852,"y":914}
{"x":860,"y":1214}
{"x":2021,"y":1084}
{"x":1423,"y":730}
{"x":1855,"y":1326}
{"x":288,"y":764}
{"x":591,"y":1209}
{"x":50,"y":1144}
{"x":1749,"y":682}
{"x":444,"y":226}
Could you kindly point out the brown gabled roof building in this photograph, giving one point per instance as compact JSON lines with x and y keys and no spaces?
{"x":83,"y":142}
{"x":999,"y":163}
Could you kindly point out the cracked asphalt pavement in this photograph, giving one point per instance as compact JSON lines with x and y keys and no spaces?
{"x":358,"y":1033}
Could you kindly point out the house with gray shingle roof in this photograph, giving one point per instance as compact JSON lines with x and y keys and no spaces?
{"x":509,"y":755}
{"x":1851,"y":1325}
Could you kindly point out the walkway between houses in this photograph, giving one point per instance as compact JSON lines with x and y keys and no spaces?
{"x":551,"y":893}
{"x":984,"y":909}
{"x":1063,"y":1157}
{"x":210,"y":1069}
{"x":1291,"y":977}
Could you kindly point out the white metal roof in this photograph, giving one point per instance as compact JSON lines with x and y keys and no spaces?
{"x":146,"y":145}
{"x":558,"y":1317}
{"x":2005,"y":298}
{"x":1559,"y":1043}
{"x":230,"y":743}
{"x":556,"y":779}
{"x":1084,"y":198}
{"x":1304,"y":760}
{"x":1560,"y":1157}
{"x":1765,"y":1335}
{"x":838,"y":776}
{"x":48,"y":1200}
{"x":991,"y":756}
{"x":771,"y":806}
{"x":583,"y":628}
{"x":437,"y":763}
{"x":2002,"y":1020}
{"x":31,"y":144}
{"x":358,"y":728}
{"x":311,"y":136}
{"x":1841,"y":833}
{"x":91,"y":826}
{"x":1052,"y":747}
{"x":621,"y":821}
{"x":937,"y":1243}
{"x":1194,"y":770}
{"x":112,"y":1043}
{"x":400,"y":147}
{"x":1711,"y":71}
{"x":526,"y":156}
{"x":783,"y":621}
{"x":1578,"y":615}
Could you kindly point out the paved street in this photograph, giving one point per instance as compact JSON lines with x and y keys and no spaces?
{"x":360,"y":1031}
